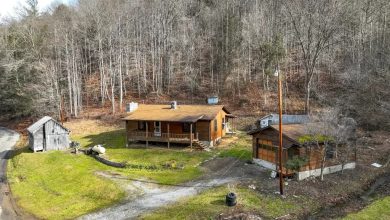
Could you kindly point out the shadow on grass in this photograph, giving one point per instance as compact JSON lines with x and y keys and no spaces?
{"x":9,"y":154}
{"x":111,"y":139}
{"x":218,"y":202}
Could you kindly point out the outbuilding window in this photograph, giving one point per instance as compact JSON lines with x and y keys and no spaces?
{"x":329,"y":152}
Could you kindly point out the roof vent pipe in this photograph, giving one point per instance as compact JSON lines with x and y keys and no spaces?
{"x":173,"y":105}
{"x":132,"y":106}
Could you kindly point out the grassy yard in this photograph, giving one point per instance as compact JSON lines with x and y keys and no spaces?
{"x":379,"y":209}
{"x":209,"y":204}
{"x":241,"y":148}
{"x":59,"y":185}
{"x":141,"y":158}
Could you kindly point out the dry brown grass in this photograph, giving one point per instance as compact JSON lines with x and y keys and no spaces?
{"x":91,"y":126}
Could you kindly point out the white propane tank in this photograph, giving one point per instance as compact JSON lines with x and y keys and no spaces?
{"x":99,"y":149}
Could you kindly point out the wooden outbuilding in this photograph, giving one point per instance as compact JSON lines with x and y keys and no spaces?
{"x":265,"y":144}
{"x":47,"y":134}
{"x":202,"y":125}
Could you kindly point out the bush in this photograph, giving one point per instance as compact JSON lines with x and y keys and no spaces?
{"x":296,"y":162}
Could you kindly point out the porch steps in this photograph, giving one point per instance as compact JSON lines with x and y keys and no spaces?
{"x":200,"y":145}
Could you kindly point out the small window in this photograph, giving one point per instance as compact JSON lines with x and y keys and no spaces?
{"x":329,"y":153}
{"x":223,"y":123}
{"x":186,"y":127}
{"x":141,"y":125}
{"x":215,"y":125}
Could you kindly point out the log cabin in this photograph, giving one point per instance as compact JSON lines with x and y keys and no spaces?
{"x":265,"y":148}
{"x":200,"y":125}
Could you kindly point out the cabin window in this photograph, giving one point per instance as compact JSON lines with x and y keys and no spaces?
{"x":141,"y":125}
{"x":215,"y":125}
{"x":186,"y":127}
{"x":223,"y":123}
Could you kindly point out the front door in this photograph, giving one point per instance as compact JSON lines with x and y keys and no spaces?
{"x":157,"y":128}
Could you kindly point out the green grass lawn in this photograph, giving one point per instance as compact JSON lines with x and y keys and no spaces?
{"x":211,"y":203}
{"x":59,"y":185}
{"x":241,"y":148}
{"x":379,"y":209}
{"x":157,"y":156}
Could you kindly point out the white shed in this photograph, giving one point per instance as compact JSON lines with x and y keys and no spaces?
{"x":47,"y":134}
{"x":273,"y":119}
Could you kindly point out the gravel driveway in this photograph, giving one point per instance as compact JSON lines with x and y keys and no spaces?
{"x":144,"y":197}
{"x":153,"y":197}
{"x":8,"y":139}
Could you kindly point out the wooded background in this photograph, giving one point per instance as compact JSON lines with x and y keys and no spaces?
{"x":106,"y":53}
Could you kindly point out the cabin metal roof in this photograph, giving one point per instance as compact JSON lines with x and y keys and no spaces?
{"x":37,"y":125}
{"x":183,"y":113}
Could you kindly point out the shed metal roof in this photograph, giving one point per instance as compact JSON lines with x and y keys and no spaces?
{"x":183,"y":113}
{"x":34,"y":127}
{"x":291,"y":131}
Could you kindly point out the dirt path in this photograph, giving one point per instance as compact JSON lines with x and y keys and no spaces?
{"x":144,"y":197}
{"x":357,"y":202}
{"x":8,"y":139}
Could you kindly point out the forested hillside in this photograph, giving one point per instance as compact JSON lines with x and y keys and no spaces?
{"x":106,"y":52}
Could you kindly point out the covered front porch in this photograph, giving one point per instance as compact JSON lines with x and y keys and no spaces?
{"x":167,"y":132}
{"x":162,"y":137}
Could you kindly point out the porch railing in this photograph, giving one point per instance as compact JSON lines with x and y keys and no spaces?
{"x":163,"y":136}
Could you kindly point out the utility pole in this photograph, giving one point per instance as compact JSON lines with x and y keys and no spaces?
{"x":280,"y":130}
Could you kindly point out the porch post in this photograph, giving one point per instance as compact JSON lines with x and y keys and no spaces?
{"x":146,"y":133}
{"x":127,"y":134}
{"x":168,"y":133}
{"x":191,"y":135}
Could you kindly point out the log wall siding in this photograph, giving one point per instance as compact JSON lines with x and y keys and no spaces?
{"x":315,"y":154}
{"x":216,"y":134}
{"x":205,"y":129}
{"x":269,"y":135}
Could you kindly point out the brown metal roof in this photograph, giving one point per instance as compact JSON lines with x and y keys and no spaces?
{"x":294,"y":131}
{"x":183,"y":113}
{"x":291,"y":131}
